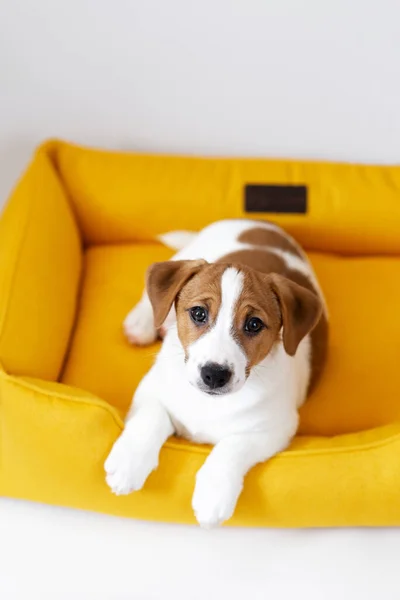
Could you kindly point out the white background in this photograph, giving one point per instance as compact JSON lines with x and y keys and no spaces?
{"x":293,"y":78}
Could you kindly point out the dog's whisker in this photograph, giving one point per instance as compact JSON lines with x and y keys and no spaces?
{"x":256,"y":367}
{"x":258,"y":375}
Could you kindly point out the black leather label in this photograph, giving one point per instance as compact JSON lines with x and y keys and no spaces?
{"x":260,"y":198}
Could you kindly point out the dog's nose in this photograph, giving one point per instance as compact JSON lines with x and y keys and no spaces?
{"x":215,"y":375}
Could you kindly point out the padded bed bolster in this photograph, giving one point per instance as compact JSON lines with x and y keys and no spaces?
{"x":126,"y":197}
{"x":40,"y":270}
{"x":67,"y":373}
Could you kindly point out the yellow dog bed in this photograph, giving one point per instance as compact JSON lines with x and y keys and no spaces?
{"x":75,"y":240}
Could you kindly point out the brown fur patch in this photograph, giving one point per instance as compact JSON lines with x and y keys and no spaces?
{"x":268,"y":262}
{"x":204,"y":289}
{"x":257,"y":300}
{"x":259,"y":260}
{"x":258,"y":236}
{"x":164,"y":280}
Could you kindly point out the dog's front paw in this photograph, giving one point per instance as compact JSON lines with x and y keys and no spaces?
{"x":139,"y":325}
{"x":128,"y":465}
{"x":215,"y":496}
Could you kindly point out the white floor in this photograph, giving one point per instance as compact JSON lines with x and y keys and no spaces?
{"x":63,"y":554}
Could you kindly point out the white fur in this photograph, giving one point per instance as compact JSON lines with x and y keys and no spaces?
{"x":177,"y":239}
{"x":247,"y":426}
{"x":218,"y":345}
{"x":135,"y":454}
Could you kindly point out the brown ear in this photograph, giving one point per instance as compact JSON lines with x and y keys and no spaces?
{"x":300,"y":309}
{"x":164,"y":282}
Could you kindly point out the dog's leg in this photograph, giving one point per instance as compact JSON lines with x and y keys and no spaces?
{"x":135,"y":453}
{"x":220,"y":480}
{"x":139,"y":325}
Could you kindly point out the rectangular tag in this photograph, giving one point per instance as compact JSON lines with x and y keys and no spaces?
{"x":260,"y":198}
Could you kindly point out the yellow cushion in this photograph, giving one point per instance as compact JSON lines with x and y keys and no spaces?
{"x":40,"y":269}
{"x":68,"y":374}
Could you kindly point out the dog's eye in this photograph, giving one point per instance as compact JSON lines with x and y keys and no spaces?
{"x":198,"y":314}
{"x":253,"y":325}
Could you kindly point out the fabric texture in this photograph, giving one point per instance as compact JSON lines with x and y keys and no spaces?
{"x":75,"y":240}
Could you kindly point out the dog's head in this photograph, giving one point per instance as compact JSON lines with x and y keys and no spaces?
{"x":229,"y":317}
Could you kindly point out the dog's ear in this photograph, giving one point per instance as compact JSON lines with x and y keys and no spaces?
{"x":300,"y":310}
{"x":164,"y":282}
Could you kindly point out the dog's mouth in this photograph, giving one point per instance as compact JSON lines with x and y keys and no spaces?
{"x":213,"y":392}
{"x":222,"y":391}
{"x":208,"y":391}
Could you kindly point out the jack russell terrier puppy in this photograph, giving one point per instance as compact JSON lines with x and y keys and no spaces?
{"x":245,"y":327}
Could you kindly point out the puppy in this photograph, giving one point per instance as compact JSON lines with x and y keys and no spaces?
{"x":245,"y":328}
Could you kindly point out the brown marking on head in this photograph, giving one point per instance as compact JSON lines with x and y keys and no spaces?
{"x":268,"y":262}
{"x":203,"y":290}
{"x":284,"y":300}
{"x":260,"y":236}
{"x":165,"y":280}
{"x":280,"y":304}
{"x":259,"y":301}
